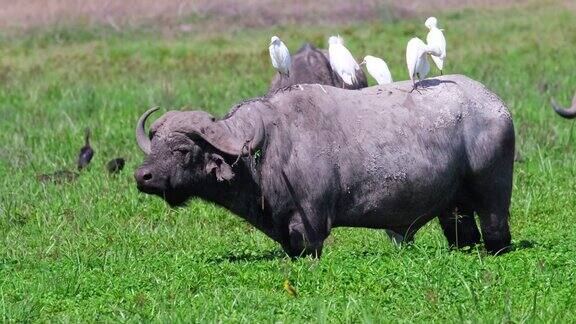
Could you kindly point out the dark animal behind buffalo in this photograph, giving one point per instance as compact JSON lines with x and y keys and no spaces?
{"x":86,"y":152}
{"x":311,"y":65}
{"x":116,"y":165}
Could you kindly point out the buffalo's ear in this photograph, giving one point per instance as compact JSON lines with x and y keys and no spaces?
{"x":221,"y":169}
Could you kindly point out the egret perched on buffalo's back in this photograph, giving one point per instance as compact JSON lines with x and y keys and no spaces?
{"x":342,"y":61}
{"x":378,"y":69}
{"x":280,"y":56}
{"x":417,"y":58}
{"x":436,"y":38}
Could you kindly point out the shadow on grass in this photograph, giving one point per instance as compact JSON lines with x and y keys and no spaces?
{"x":249,"y":257}
{"x":277,"y":254}
{"x":518,"y":246}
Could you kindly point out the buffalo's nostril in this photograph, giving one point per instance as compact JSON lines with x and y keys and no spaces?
{"x":143,"y":176}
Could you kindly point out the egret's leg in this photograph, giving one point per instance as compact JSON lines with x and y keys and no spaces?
{"x":416,"y":82}
{"x":415,"y":87}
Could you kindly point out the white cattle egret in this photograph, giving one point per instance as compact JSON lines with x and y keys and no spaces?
{"x":342,"y":61}
{"x":378,"y":69}
{"x":417,"y":59}
{"x":280,"y":56}
{"x":435,"y":38}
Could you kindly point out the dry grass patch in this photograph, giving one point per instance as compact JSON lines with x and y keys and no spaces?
{"x":218,"y":15}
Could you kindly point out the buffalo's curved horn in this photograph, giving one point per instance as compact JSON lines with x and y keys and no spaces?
{"x":231,"y":140}
{"x":141,"y":137}
{"x":566,"y":113}
{"x":239,"y":134}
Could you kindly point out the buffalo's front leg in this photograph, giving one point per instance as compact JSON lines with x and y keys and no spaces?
{"x":307,"y":224}
{"x":303,"y":237}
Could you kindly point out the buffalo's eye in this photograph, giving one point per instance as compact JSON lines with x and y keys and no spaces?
{"x":184,"y":153}
{"x":182,"y":150}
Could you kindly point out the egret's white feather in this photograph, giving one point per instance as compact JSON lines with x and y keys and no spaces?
{"x":378,"y":69}
{"x":417,"y":58}
{"x":422,"y":68}
{"x":280,"y":56}
{"x":435,"y":38}
{"x":413,"y":52}
{"x":342,"y":61}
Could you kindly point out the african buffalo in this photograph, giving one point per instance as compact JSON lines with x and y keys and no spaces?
{"x":309,"y":66}
{"x":568,"y":113}
{"x":301,"y":161}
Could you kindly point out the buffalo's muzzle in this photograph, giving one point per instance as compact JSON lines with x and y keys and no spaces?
{"x":144,"y":178}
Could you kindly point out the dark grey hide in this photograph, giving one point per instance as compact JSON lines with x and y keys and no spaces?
{"x":309,"y":66}
{"x":302,"y":161}
{"x":568,"y":113}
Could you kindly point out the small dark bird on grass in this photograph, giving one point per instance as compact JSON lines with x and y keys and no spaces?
{"x":86,"y":152}
{"x":116,"y":165}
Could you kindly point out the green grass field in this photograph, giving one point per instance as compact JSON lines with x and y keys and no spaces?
{"x":96,"y":249}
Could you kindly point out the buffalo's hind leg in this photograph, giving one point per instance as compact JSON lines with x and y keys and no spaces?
{"x":493,"y":195}
{"x":495,"y":228}
{"x":491,"y":160}
{"x":459,"y":227}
